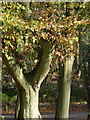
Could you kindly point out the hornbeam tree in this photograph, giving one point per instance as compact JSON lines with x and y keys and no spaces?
{"x":66,"y":64}
{"x":65,"y":79}
{"x":28,"y":83}
{"x":64,"y":88}
{"x":30,"y":32}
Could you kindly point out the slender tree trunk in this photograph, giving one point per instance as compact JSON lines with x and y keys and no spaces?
{"x":88,"y":88}
{"x":85,"y":72}
{"x":81,"y":56}
{"x":88,"y":84}
{"x":62,"y":108}
{"x":17,"y":104}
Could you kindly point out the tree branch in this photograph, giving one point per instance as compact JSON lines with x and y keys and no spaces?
{"x":43,"y":67}
{"x":85,"y":28}
{"x":27,"y":11}
{"x":15,"y":72}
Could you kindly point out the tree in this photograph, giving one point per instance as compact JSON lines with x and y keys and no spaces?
{"x":30,"y":31}
{"x":83,"y":42}
{"x":64,"y":82}
{"x":28,"y":84}
{"x":64,"y":86}
{"x":86,"y":64}
{"x":66,"y":64}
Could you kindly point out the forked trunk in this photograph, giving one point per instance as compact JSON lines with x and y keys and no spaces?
{"x":28,"y":84}
{"x":27,"y":104}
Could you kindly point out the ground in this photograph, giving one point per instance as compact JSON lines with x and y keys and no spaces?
{"x":46,"y":107}
{"x":50,"y":108}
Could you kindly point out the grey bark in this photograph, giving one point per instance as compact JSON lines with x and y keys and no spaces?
{"x":28,"y":84}
{"x":64,"y":87}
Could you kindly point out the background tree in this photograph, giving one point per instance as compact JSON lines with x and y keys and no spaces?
{"x":83,"y":43}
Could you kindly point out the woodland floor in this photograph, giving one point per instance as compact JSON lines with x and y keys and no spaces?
{"x":50,"y":108}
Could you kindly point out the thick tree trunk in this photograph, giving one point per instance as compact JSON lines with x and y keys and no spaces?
{"x":62,"y":108}
{"x":28,"y":101}
{"x":28,"y":84}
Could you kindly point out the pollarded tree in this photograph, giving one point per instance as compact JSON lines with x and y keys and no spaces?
{"x":14,"y":52}
{"x":65,"y":68}
{"x":29,"y":83}
{"x":67,"y":55}
{"x":27,"y":27}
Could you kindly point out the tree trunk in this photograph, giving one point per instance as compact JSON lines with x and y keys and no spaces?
{"x":17,"y":104}
{"x":64,"y":87}
{"x":81,"y":64}
{"x":28,"y":84}
{"x":28,"y":101}
{"x":88,"y":84}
